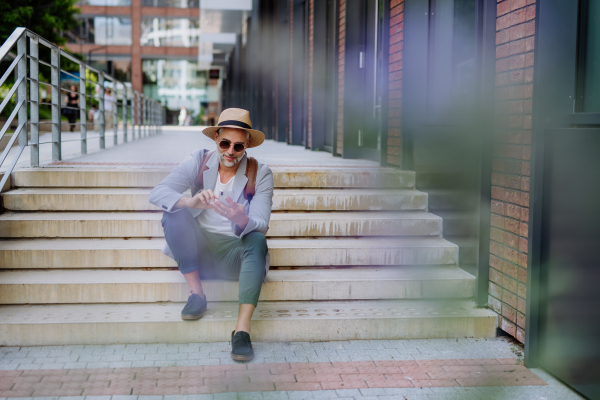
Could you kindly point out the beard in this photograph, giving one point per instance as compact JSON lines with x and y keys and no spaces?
{"x":230,"y":163}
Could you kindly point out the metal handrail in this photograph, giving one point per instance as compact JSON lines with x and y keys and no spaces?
{"x":146,"y":115}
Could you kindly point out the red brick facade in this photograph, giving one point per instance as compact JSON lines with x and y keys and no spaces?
{"x":395,"y":81}
{"x":341,"y":64}
{"x":515,"y":28}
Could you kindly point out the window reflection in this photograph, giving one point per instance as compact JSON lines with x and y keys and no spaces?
{"x":102,"y":31}
{"x":171,"y":3}
{"x":589,"y":62}
{"x":175,"y":83}
{"x":170,"y":32}
{"x":104,"y":2}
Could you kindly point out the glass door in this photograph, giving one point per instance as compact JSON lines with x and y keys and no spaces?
{"x":371,"y":63}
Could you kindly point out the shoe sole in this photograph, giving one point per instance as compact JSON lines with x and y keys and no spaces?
{"x":237,"y":357}
{"x":190,"y":317}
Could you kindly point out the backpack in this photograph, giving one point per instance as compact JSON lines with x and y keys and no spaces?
{"x":251,"y":171}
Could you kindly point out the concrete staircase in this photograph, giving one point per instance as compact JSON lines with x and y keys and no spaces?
{"x":354,"y":254}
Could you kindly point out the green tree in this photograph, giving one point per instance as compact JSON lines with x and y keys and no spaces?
{"x":47,"y":18}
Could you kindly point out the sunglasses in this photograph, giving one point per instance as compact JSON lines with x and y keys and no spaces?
{"x":226,"y":144}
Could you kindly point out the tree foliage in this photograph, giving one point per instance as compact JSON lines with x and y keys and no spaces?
{"x":47,"y":18}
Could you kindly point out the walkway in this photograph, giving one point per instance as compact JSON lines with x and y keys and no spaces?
{"x":462,"y":369}
{"x":173,"y":146}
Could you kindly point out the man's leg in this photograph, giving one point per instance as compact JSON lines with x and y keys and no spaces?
{"x":246,"y":263}
{"x":189,"y":247}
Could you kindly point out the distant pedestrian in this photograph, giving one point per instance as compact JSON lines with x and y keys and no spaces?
{"x":108,"y":109}
{"x":72,"y":109}
{"x":182,"y":116}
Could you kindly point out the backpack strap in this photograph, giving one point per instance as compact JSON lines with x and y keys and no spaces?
{"x":251,"y":171}
{"x":199,"y":181}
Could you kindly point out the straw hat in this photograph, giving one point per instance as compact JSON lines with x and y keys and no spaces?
{"x":239,"y":119}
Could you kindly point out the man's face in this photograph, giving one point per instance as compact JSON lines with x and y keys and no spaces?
{"x":229,"y":157}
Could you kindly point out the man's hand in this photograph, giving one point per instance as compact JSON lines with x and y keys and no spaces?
{"x":235,"y":212}
{"x":201,"y":201}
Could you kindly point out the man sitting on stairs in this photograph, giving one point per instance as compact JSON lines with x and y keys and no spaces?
{"x":219,"y":232}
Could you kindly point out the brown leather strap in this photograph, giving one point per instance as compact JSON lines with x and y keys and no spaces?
{"x":251,"y":171}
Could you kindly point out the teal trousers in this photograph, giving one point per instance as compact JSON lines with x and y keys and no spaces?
{"x":217,"y":256}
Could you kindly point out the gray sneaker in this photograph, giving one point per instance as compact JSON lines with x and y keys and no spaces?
{"x":194,"y":307}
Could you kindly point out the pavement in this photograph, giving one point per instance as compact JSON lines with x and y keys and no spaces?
{"x":168,"y":149}
{"x":361,"y":369}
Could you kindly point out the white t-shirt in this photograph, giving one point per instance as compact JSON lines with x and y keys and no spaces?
{"x":211,"y":221}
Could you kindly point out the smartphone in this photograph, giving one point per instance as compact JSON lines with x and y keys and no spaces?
{"x":223,"y":194}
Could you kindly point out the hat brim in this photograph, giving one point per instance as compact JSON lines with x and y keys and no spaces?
{"x":256,"y":137}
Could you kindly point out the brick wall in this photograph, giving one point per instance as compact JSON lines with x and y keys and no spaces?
{"x":341,"y":63}
{"x":515,"y":28}
{"x":395,"y":81}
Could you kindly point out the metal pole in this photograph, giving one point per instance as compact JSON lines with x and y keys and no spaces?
{"x":102,"y":122}
{"x":130,"y":107}
{"x":22,"y":90}
{"x":138,"y":114}
{"x":82,"y":109}
{"x":56,"y":123}
{"x":114,"y":112}
{"x":144,"y":116}
{"x":34,"y":97}
{"x":124,"y":105}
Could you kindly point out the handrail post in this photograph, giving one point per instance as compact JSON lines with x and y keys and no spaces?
{"x":130,"y":108}
{"x":34,"y":97}
{"x":56,"y":122}
{"x":102,"y":122}
{"x":137,"y":114}
{"x":144,"y":114}
{"x":114,"y":112}
{"x":82,"y":109}
{"x":124,"y":105}
{"x":22,"y":90}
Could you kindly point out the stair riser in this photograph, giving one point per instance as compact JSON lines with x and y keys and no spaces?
{"x":281,"y":202}
{"x":290,"y":330}
{"x":282,"y":177}
{"x":228,"y":291}
{"x":277,"y":228}
{"x":281,"y":257}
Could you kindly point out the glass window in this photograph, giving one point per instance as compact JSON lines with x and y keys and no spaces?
{"x":175,"y":83}
{"x":104,"y":2}
{"x":170,"y":32}
{"x":589,"y":62}
{"x":171,"y":3}
{"x":102,"y":31}
{"x":452,"y":49}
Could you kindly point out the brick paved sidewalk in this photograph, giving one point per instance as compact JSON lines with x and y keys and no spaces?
{"x":402,"y":369}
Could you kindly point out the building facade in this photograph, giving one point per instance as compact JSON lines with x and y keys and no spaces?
{"x":151,"y":43}
{"x":494,"y":104}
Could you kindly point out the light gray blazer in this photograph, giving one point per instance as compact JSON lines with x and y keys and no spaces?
{"x":167,"y":193}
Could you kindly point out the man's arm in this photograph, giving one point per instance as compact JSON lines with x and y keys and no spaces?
{"x":168,"y":194}
{"x":260,"y":206}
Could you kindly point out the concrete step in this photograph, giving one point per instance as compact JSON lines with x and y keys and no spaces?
{"x":138,"y":286}
{"x":460,"y":223}
{"x":88,"y":324}
{"x":147,"y":224}
{"x":110,"y":199}
{"x":283,"y":177}
{"x":145,"y":253}
{"x":452,"y":200}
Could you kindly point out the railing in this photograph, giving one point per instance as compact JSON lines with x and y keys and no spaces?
{"x":146,"y":115}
